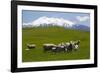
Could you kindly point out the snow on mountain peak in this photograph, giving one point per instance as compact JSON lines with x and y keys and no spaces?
{"x":52,"y":21}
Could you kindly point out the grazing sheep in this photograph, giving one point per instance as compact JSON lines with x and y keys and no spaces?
{"x":59,"y":48}
{"x":69,"y":46}
{"x":62,"y":47}
{"x":65,"y":47}
{"x":77,"y":42}
{"x":73,"y":45}
{"x":48,"y":47}
{"x":61,"y":44}
{"x":54,"y":49}
{"x":76,"y":45}
{"x":31,"y":46}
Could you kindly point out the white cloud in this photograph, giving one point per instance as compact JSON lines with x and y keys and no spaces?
{"x":82,"y":18}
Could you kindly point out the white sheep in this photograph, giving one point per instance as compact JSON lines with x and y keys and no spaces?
{"x":31,"y":46}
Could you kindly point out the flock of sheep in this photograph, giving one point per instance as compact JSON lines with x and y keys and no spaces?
{"x":65,"y":47}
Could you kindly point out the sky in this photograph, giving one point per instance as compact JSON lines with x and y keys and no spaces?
{"x":29,"y":16}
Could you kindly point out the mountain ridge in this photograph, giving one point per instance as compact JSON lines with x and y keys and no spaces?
{"x":45,"y":22}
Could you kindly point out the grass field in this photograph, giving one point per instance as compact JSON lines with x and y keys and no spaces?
{"x":56,"y":35}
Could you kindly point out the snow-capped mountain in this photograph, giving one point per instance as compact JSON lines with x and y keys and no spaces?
{"x":46,"y":21}
{"x":27,"y":25}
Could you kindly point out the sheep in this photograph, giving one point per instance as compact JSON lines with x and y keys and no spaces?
{"x":69,"y":46}
{"x":76,"y":45}
{"x":31,"y":46}
{"x":48,"y":47}
{"x":72,"y":45}
{"x":53,"y":47}
{"x":60,"y":47}
{"x":65,"y":47}
{"x":77,"y":42}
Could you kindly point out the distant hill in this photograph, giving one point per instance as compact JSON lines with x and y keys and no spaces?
{"x":81,"y":27}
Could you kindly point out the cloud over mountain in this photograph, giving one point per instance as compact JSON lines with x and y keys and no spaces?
{"x":82,"y":18}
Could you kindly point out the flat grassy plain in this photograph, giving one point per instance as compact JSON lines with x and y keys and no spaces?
{"x":55,"y":35}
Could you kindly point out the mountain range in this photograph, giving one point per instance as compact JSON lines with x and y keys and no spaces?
{"x":46,"y":21}
{"x":81,"y":27}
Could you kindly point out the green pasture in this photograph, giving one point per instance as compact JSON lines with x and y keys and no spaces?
{"x":55,"y":35}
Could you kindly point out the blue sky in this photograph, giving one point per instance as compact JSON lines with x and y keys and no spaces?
{"x":31,"y":15}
